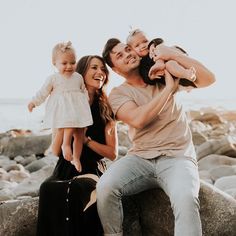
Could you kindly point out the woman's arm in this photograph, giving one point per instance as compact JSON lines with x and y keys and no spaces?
{"x":204,"y":76}
{"x":110,"y":149}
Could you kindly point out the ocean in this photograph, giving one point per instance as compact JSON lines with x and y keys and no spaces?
{"x":15,"y":115}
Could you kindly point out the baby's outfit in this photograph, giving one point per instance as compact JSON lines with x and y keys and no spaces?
{"x":67,"y":106}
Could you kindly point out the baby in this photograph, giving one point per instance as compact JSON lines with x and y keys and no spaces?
{"x":67,"y":109}
{"x":151,"y":68}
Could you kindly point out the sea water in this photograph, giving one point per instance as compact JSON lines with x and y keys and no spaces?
{"x":14,"y":113}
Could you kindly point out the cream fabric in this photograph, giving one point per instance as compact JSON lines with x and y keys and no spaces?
{"x":168,"y":134}
{"x":67,"y":104}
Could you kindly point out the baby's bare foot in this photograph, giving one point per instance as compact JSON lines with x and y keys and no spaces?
{"x":191,"y":74}
{"x":66,"y":150}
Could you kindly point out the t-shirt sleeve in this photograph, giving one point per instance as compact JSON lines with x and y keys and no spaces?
{"x":117,"y":98}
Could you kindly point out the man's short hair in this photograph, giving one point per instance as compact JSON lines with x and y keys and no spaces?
{"x":110,"y":44}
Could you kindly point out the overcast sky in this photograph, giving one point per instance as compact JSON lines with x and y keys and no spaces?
{"x":30,"y":28}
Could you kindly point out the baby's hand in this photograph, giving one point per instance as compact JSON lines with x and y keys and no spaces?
{"x":31,"y":106}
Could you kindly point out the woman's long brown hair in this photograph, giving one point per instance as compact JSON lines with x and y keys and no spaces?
{"x":105,"y":109}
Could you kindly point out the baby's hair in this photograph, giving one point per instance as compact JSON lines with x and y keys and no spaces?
{"x":61,"y":48}
{"x":133,"y":33}
{"x":156,"y":42}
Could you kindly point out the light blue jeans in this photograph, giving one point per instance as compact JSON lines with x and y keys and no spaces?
{"x":177,"y":176}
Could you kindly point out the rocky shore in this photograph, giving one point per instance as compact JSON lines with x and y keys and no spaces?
{"x":25,"y":162}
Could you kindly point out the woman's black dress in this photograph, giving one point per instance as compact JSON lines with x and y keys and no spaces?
{"x":62,"y":198}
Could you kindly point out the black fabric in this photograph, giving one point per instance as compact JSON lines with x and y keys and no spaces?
{"x":62,"y":198}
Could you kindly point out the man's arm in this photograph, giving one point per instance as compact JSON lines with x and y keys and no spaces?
{"x":204,"y":76}
{"x":140,"y":116}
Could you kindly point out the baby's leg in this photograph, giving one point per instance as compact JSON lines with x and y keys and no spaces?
{"x":179,"y":71}
{"x":57,"y":138}
{"x":66,"y":146}
{"x":77,"y":147}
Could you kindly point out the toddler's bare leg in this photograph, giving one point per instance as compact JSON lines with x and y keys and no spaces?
{"x":77,"y":147}
{"x":57,"y":138}
{"x":179,"y":71}
{"x":66,"y":146}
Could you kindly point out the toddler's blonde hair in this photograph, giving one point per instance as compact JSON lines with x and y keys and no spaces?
{"x":61,"y":48}
{"x":133,"y":33}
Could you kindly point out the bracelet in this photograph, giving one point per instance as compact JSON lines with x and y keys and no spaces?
{"x":88,"y":141}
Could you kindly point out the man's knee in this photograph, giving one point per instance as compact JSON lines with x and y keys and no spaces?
{"x":106,"y":187}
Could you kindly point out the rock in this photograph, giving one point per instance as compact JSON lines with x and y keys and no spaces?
{"x":18,"y":217}
{"x":6,"y":162}
{"x":226,"y":182}
{"x":24,"y":146}
{"x":148,"y":213}
{"x":38,"y":164}
{"x":122,"y":150}
{"x":213,"y":161}
{"x":205,"y":175}
{"x":7,"y":184}
{"x":198,"y":138}
{"x":19,"y":159}
{"x":18,"y":175}
{"x":6,"y":194}
{"x":220,"y":171}
{"x":28,"y":160}
{"x":211,"y":118}
{"x":123,"y":135}
{"x":14,"y":167}
{"x":218,"y":213}
{"x":225,"y":146}
{"x":231,"y":191}
{"x":3,"y":174}
{"x":30,"y":186}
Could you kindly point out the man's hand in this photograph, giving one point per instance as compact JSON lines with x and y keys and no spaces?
{"x":157,"y":70}
{"x":171,"y":83}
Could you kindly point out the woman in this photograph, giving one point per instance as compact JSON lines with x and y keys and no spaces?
{"x":67,"y":204}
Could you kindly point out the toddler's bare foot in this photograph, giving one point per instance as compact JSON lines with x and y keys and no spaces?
{"x":77,"y":164}
{"x":66,"y":150}
{"x":191,"y":74}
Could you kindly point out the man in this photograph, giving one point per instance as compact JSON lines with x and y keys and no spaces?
{"x":162,"y":154}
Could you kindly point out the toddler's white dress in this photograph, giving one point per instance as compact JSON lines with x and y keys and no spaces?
{"x":67,"y":104}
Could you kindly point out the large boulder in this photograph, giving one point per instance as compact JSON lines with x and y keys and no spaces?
{"x":218,"y":213}
{"x":24,"y":146}
{"x":148,"y":213}
{"x":19,"y":217}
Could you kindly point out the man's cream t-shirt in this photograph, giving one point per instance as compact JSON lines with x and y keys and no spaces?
{"x":168,"y":134}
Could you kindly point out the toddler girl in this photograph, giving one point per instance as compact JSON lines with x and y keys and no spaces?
{"x":151,"y":68}
{"x":67,"y":108}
